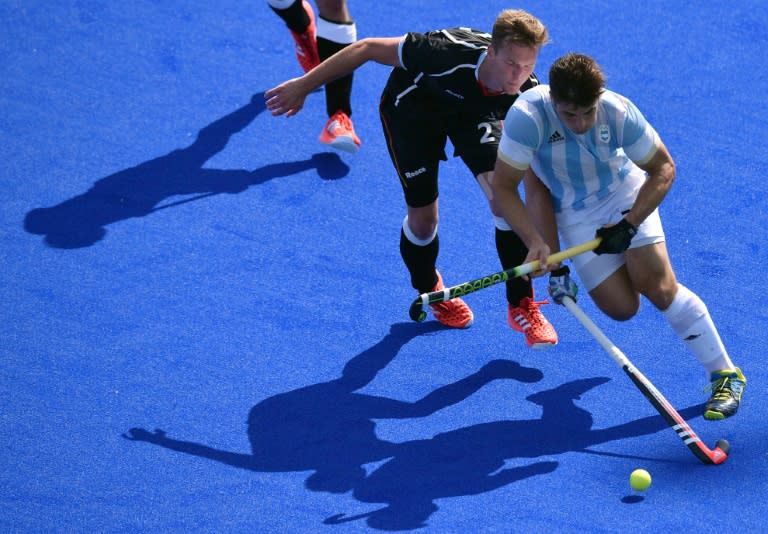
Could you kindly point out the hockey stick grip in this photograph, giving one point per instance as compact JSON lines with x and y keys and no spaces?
{"x":417,"y":313}
{"x":557,"y":257}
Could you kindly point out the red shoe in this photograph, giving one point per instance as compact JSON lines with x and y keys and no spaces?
{"x":306,"y":43}
{"x":453,"y":313}
{"x":527,"y":318}
{"x":340,"y":134}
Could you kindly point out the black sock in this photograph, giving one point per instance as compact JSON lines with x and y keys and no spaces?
{"x":420,"y":261}
{"x":295,"y":17}
{"x":512,"y":252}
{"x":339,"y":91}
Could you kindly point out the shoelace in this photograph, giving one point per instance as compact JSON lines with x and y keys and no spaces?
{"x":446,"y":310}
{"x":533,"y":318}
{"x":722,"y":392}
{"x":343,"y":120}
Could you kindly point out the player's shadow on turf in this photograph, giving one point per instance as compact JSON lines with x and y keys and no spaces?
{"x":139,"y":191}
{"x":329,"y":429}
{"x":484,"y":457}
{"x":465,"y":461}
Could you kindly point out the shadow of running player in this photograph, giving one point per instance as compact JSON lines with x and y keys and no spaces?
{"x":476,"y":459}
{"x":138,"y":191}
{"x":328,"y":428}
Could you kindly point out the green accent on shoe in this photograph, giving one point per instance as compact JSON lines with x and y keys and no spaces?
{"x":727,"y":387}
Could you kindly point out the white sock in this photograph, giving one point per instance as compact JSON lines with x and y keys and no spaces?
{"x":690,"y":319}
{"x":501,"y":223}
{"x":412,"y":237}
{"x":338,"y":32}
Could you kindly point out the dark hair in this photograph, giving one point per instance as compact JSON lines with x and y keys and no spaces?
{"x":576,"y":79}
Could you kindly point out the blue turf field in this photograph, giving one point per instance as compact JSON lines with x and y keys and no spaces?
{"x":176,"y":260}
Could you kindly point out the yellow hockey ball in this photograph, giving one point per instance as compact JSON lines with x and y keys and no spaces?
{"x":640,"y":480}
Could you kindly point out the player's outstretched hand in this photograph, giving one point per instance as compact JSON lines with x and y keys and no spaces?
{"x":499,"y":368}
{"x":287,"y":98}
{"x":139,"y":434}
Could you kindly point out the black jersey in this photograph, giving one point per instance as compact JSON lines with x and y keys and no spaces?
{"x":439,"y":74}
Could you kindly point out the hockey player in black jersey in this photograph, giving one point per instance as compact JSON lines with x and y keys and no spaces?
{"x":452,"y":84}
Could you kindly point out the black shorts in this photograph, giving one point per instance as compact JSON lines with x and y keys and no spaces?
{"x":416,"y":138}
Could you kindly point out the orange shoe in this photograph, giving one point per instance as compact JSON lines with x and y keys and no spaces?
{"x":453,"y":313}
{"x":306,"y":43}
{"x":340,"y":134}
{"x":527,"y":318}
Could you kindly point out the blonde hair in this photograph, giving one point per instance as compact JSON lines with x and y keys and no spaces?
{"x":518,"y":27}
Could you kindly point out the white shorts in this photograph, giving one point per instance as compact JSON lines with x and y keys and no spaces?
{"x":578,"y":227}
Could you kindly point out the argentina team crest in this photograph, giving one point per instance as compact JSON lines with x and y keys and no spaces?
{"x":605,"y":133}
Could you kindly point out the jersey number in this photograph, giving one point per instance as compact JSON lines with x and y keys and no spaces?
{"x":487,"y":134}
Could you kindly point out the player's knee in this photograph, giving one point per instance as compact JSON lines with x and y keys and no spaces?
{"x":621,"y":314}
{"x":421,"y":228}
{"x":661,"y":295}
{"x":426,"y":230}
{"x":620,"y":310}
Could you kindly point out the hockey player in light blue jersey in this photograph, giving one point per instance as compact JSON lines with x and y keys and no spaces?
{"x":593,"y":166}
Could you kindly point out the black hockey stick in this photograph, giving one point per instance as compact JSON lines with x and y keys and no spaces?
{"x":417,"y":313}
{"x":675,"y":420}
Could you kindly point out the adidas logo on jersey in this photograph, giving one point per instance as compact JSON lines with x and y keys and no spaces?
{"x":555,"y":137}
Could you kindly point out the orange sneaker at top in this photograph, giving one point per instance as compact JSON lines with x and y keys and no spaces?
{"x":340,"y":134}
{"x":453,"y":313}
{"x":306,"y":43}
{"x":528,"y":319}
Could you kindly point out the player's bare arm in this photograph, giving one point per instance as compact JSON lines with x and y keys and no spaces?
{"x":288,"y":97}
{"x":661,"y":173}
{"x":538,"y":203}
{"x":505,"y":186}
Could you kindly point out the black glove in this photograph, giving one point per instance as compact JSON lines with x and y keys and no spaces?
{"x":616,"y":238}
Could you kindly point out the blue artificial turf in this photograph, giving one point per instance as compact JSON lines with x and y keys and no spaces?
{"x":204,"y":312}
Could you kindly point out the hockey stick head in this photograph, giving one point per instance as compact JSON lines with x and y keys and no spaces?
{"x":720,"y":454}
{"x":654,"y":396}
{"x":416,"y":311}
{"x":723,"y":445}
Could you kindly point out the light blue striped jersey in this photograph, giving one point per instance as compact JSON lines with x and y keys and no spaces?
{"x":579,"y":170}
